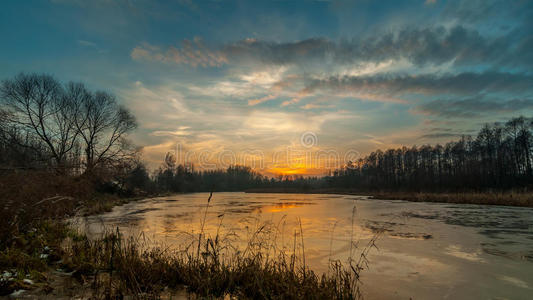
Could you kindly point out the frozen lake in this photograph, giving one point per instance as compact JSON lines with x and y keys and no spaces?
{"x":426,"y":250}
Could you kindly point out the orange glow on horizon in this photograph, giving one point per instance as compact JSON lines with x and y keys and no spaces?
{"x":288,"y":171}
{"x":295,"y":171}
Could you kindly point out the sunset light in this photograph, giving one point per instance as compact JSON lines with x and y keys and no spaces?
{"x":266,"y":149}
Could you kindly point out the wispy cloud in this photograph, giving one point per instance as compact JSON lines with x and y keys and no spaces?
{"x":91,"y":45}
{"x":420,"y":46}
{"x":429,"y":84}
{"x":193,"y":53}
{"x":264,"y":72}
{"x":253,"y":102}
{"x":180,"y":131}
{"x":87,"y":43}
{"x":316,"y":106}
{"x":473,"y":107}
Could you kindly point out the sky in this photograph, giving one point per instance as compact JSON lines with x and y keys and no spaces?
{"x":287,"y":87}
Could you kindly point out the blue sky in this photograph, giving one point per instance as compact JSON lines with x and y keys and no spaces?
{"x":256,"y":75}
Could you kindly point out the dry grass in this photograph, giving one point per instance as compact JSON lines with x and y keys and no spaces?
{"x":30,"y":198}
{"x":210,"y":266}
{"x":116,"y":268}
{"x":488,"y":198}
{"x":524,"y":199}
{"x":113,"y":266}
{"x":33,"y":206}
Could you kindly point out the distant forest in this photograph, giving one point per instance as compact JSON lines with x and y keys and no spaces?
{"x":498,"y":158}
{"x":66,"y":129}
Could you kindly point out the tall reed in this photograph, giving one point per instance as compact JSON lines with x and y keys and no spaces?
{"x":260,"y":270}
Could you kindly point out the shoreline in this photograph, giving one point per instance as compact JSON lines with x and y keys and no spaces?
{"x":479,"y":198}
{"x":66,"y":264}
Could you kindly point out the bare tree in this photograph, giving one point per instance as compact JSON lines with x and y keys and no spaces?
{"x":67,"y":118}
{"x":4,"y":116}
{"x":102,"y":124}
{"x":4,"y":133}
{"x":37,"y":104}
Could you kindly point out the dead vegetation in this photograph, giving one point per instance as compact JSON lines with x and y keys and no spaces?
{"x":39,"y":247}
{"x":485,"y":198}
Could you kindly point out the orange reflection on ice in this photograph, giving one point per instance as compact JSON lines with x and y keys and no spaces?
{"x":282,"y":207}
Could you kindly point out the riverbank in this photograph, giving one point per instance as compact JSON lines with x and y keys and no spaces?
{"x":484,"y":198}
{"x":506,"y":199}
{"x":43,"y":257}
{"x":74,"y":266}
{"x":35,"y":237}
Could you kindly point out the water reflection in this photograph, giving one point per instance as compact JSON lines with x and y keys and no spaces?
{"x":280,"y":207}
{"x":427,"y":249}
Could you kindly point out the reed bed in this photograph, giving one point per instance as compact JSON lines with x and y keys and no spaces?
{"x":116,"y":266}
{"x":523,"y":199}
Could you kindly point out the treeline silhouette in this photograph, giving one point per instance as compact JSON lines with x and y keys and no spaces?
{"x":179,"y":178}
{"x":171,"y":177}
{"x":498,"y":158}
